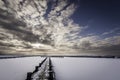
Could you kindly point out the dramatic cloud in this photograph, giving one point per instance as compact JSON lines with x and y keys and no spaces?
{"x":44,"y":26}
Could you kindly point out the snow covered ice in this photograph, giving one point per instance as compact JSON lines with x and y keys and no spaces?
{"x":86,"y":68}
{"x":17,"y":68}
{"x":66,"y":68}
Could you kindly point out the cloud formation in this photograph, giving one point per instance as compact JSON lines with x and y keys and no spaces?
{"x":44,"y":26}
{"x":115,"y":30}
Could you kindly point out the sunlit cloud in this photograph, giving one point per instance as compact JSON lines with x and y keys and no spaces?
{"x":45,"y":26}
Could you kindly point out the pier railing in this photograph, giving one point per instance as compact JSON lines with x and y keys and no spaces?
{"x":42,"y":72}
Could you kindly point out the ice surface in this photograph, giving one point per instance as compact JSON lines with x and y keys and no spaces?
{"x":86,"y":68}
{"x":67,"y":68}
{"x":17,"y":68}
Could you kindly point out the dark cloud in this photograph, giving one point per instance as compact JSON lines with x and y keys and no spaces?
{"x":110,"y":48}
{"x":44,"y":25}
{"x":9,"y":22}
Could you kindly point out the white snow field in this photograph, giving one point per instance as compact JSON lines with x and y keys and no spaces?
{"x":86,"y":68}
{"x":67,"y":68}
{"x":17,"y":68}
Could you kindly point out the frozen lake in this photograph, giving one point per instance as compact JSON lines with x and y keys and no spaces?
{"x":67,"y":68}
{"x":86,"y":68}
{"x":17,"y":68}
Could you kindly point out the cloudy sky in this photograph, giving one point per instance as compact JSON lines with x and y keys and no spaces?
{"x":60,"y":27}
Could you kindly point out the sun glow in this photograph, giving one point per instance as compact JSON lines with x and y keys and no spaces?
{"x":41,"y":46}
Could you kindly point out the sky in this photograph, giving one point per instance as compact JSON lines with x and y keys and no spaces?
{"x":60,"y":27}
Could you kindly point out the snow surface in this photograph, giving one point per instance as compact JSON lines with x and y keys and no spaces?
{"x":86,"y":68}
{"x":17,"y":68}
{"x":67,"y":68}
